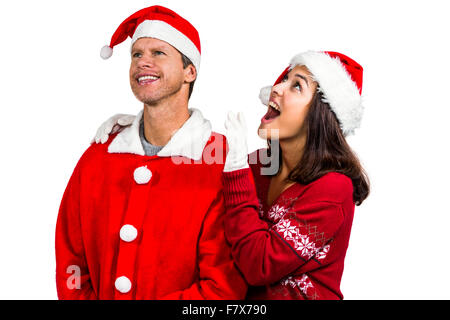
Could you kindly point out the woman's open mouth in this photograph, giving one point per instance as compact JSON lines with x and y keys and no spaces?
{"x":272,"y":113}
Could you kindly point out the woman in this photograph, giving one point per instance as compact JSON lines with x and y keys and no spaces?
{"x":289,"y":230}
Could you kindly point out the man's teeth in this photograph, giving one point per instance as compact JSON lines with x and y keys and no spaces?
{"x":273,"y":105}
{"x":147,"y":78}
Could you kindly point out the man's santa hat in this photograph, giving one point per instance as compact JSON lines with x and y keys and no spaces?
{"x":340,"y":82}
{"x":160,"y":23}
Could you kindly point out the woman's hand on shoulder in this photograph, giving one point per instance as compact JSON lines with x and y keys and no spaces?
{"x":114,"y":124}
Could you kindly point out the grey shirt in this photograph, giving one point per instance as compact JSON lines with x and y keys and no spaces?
{"x":150,"y":149}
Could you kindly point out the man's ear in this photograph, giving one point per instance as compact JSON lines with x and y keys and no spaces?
{"x":190,"y":73}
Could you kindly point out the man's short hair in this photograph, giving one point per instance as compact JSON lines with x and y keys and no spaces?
{"x":186,"y":63}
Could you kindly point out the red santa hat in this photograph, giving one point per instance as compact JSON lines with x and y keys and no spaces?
{"x":160,"y":23}
{"x":340,"y":82}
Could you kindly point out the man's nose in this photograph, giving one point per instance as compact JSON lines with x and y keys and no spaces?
{"x":146,"y":61}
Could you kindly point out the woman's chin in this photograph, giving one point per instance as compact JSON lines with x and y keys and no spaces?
{"x":268,"y":131}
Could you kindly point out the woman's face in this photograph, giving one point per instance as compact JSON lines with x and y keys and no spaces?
{"x":288,"y":106}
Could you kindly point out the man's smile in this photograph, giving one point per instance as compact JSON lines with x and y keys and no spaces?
{"x":144,"y":79}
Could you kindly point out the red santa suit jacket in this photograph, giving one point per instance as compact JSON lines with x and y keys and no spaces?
{"x":295,"y":247}
{"x":132,"y":226}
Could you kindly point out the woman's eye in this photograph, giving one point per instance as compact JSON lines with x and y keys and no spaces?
{"x":284,"y":78}
{"x":298,"y":86}
{"x":137,"y":55}
{"x":159,"y":53}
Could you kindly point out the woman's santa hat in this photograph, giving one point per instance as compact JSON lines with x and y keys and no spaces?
{"x":160,"y":23}
{"x":340,"y":82}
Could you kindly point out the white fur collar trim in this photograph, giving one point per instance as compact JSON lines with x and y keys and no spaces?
{"x":188,"y":141}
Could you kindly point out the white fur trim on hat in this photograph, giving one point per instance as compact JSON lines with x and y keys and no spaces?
{"x":336,"y":85}
{"x":163,"y":31}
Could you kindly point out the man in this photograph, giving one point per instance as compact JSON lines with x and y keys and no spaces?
{"x":142,"y":215}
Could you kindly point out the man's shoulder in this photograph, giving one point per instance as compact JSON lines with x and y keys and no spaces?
{"x":215,"y":149}
{"x":96,"y":152}
{"x":217,"y":138}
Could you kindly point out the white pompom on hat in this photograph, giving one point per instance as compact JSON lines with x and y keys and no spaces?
{"x":106,"y":52}
{"x":340,"y":82}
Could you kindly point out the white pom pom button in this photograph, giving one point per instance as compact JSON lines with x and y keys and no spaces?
{"x":123,"y":284}
{"x":128,"y":233}
{"x":142,"y":175}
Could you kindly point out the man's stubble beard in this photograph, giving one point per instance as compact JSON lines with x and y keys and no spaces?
{"x":165,"y":93}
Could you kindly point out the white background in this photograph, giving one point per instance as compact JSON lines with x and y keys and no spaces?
{"x":56,"y":91}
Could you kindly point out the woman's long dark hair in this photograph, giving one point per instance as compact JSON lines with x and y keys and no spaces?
{"x":326,"y":150}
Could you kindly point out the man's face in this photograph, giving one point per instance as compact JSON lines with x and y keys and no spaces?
{"x":156,"y":71}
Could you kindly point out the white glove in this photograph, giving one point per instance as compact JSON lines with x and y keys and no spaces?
{"x":237,"y":142}
{"x":112,"y":125}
